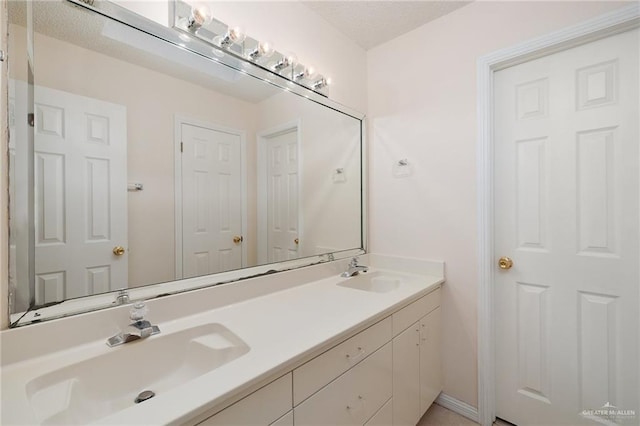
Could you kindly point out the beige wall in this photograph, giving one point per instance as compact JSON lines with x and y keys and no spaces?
{"x":422,"y":106}
{"x":152,"y":100}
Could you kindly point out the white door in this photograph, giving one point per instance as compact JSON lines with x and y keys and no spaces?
{"x":282,"y":196}
{"x":80,"y":170}
{"x":211,"y":201}
{"x":566,"y":191}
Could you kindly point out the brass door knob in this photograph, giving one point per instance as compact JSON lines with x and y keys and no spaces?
{"x":296,"y":241}
{"x":118,"y":250}
{"x":505,"y":263}
{"x":238,"y":239}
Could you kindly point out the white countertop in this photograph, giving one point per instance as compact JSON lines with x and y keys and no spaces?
{"x":282,"y":329}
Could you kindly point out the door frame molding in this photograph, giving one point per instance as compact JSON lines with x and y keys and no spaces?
{"x":611,"y":23}
{"x":262,"y":190}
{"x":179,"y":120}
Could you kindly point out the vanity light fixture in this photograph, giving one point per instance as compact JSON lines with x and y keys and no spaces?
{"x":196,"y":21}
{"x":233,"y":36}
{"x":200,"y":15}
{"x":262,"y":50}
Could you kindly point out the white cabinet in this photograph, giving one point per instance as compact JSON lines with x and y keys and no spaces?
{"x":406,"y":377}
{"x":354,"y":397}
{"x":388,"y":374}
{"x":417,"y":371}
{"x":430,"y":359}
{"x":263,"y":407}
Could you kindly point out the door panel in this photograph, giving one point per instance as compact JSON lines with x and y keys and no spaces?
{"x":406,"y":377}
{"x":430,"y":359}
{"x":80,"y":178}
{"x":282,"y":196}
{"x":211,"y":201}
{"x":566,"y":190}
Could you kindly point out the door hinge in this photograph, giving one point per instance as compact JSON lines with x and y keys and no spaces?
{"x":181,"y":147}
{"x":3,"y":56}
{"x":31,"y":119}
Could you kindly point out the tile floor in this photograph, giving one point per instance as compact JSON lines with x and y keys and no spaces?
{"x":437,"y":415}
{"x":440,"y":416}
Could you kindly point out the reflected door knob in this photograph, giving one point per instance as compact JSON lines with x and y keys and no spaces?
{"x":505,"y":263}
{"x":238,"y":239}
{"x":118,"y":250}
{"x":296,"y":241}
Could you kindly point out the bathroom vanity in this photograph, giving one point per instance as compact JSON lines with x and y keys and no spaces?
{"x":164,"y":163}
{"x":358,"y":350}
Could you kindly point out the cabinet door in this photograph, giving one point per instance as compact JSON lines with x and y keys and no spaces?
{"x":430,"y":359}
{"x":406,"y":377}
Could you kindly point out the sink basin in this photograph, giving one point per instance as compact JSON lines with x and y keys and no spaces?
{"x":87,"y":391}
{"x":373,"y":283}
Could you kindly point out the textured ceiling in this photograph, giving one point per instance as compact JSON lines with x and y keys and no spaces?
{"x":370,"y":23}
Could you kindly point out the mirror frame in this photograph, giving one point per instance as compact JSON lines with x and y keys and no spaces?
{"x":195,"y":46}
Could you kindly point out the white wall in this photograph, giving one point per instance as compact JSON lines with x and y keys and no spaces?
{"x":422,"y":106}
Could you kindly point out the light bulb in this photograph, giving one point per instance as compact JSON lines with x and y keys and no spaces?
{"x":236,"y":34}
{"x":307,"y":73}
{"x":264,"y":49}
{"x":200,"y":15}
{"x":233,"y":35}
{"x":289,"y":60}
{"x":321,"y":83}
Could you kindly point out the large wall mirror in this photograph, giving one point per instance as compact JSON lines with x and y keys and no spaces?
{"x":153,"y":162}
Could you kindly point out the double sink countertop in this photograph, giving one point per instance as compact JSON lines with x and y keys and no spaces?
{"x":272,"y":333}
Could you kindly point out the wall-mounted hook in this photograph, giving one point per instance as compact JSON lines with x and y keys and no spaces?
{"x":339,"y":175}
{"x":402,"y":168}
{"x":132,"y":187}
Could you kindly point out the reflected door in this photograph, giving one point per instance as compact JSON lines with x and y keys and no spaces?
{"x":282,"y":196}
{"x":80,"y":172}
{"x":566,"y":185}
{"x":211,"y":201}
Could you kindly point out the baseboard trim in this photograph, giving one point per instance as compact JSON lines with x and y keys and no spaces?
{"x":457,"y":406}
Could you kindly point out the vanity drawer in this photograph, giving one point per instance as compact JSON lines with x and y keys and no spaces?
{"x":262,"y":407}
{"x":352,"y":398}
{"x":310,"y":377}
{"x":416,"y":310}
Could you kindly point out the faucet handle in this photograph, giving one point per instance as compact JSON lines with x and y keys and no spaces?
{"x":354,"y":262}
{"x":138,"y":312}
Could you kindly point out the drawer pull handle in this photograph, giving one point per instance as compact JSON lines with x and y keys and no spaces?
{"x":360,"y":353}
{"x":352,"y":406}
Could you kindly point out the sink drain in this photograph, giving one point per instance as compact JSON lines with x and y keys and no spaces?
{"x":144,"y":395}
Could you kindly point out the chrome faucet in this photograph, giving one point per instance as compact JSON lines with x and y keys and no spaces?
{"x":138,"y":329}
{"x":354,"y":268}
